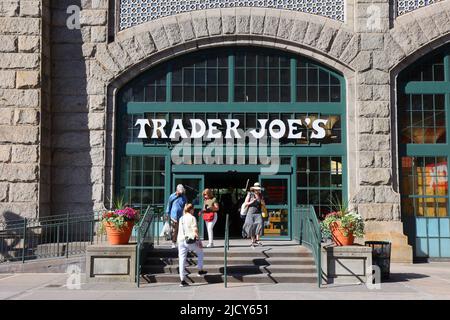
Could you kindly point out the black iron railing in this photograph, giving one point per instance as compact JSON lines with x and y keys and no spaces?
{"x":48,"y":237}
{"x":146,"y":232}
{"x":226,"y":246}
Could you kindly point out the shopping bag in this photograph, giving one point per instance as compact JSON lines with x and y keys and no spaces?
{"x":166,"y":231}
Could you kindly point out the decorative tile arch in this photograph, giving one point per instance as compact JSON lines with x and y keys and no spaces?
{"x":136,"y":12}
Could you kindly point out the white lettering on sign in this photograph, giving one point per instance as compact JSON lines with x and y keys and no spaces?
{"x":276,"y":128}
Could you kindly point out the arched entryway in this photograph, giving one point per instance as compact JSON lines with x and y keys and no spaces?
{"x":423,"y":105}
{"x":228,"y":84}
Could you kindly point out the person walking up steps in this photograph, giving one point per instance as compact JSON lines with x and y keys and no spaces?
{"x":188,"y":240}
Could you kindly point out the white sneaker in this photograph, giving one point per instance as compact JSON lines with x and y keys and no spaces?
{"x":173,"y":246}
{"x":210,"y":245}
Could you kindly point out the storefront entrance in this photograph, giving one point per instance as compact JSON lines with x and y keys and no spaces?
{"x":219,"y":117}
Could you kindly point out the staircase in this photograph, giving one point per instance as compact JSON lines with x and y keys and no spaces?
{"x":275,"y":262}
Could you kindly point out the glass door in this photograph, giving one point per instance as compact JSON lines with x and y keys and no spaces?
{"x":194,"y":185}
{"x":276,"y":191}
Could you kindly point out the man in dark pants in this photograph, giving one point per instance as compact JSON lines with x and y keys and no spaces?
{"x":174,"y":210}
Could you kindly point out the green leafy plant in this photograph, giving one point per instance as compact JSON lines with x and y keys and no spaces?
{"x":350,"y":221}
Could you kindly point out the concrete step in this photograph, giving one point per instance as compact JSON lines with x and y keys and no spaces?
{"x":233,"y":277}
{"x":231,"y":269}
{"x":159,"y":261}
{"x":173,"y":253}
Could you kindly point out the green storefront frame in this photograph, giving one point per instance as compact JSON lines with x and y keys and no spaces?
{"x":429,"y":236}
{"x":292,"y":151}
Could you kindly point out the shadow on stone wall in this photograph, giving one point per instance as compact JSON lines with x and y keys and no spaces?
{"x":72,"y":139}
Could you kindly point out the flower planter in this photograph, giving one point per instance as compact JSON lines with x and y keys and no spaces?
{"x":118,"y":236}
{"x":338,"y":236}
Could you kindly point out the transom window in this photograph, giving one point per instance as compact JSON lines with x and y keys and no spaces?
{"x":237,"y":75}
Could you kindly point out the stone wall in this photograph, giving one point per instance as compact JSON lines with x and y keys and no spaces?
{"x":78,"y":108}
{"x":58,"y":87}
{"x":20,"y":103}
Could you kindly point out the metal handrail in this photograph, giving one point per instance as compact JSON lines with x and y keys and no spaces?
{"x":48,"y":237}
{"x":309,"y":234}
{"x":145,"y":233}
{"x":226,"y":247}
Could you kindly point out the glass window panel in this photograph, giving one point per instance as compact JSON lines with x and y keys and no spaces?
{"x":313,"y":179}
{"x":262,"y":61}
{"x":301,"y":76}
{"x":274,"y":62}
{"x":438,"y":72}
{"x":211,"y":76}
{"x":285,"y":94}
{"x":274,"y":76}
{"x":188,"y":76}
{"x":302,"y":179}
{"x":240,"y":76}
{"x":177,"y":77}
{"x":158,"y":196}
{"x":211,"y":62}
{"x":312,"y":76}
{"x":150,"y":94}
{"x":200,"y":76}
{"x":147,"y":196}
{"x":250,"y":76}
{"x":324,"y":94}
{"x":147,"y":179}
{"x":188,"y":93}
{"x":223,"y":76}
{"x":239,"y":93}
{"x":335,"y":94}
{"x":301,"y":94}
{"x":251,"y":60}
{"x":285,"y":62}
{"x":251,"y":93}
{"x":324,"y":77}
{"x":313,"y":94}
{"x":200,"y":94}
{"x":285,"y":76}
{"x":302,"y":196}
{"x":240,"y":60}
{"x":211,"y":93}
{"x":222,"y":94}
{"x":439,"y":102}
{"x":222,"y":61}
{"x":262,"y":93}
{"x":262,"y":76}
{"x":160,"y":163}
{"x":160,"y":93}
{"x":325,"y":179}
{"x":274,"y":93}
{"x":177,"y":93}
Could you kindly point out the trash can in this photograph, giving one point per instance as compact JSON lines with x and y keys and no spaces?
{"x":381,"y":256}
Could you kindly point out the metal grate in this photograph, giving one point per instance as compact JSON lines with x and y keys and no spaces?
{"x":405,"y":6}
{"x":135,"y":12}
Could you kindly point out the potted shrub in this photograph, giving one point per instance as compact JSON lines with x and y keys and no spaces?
{"x":118,"y":223}
{"x":343,"y":225}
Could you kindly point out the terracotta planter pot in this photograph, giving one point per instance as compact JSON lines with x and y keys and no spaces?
{"x":119,"y":236}
{"x":338,"y":235}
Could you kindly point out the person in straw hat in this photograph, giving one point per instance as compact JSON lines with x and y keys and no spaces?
{"x":253,"y":225}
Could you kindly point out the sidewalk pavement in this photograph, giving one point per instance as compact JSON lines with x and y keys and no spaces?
{"x":408,"y":281}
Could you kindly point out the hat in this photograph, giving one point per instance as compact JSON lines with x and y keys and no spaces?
{"x":256,"y":186}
